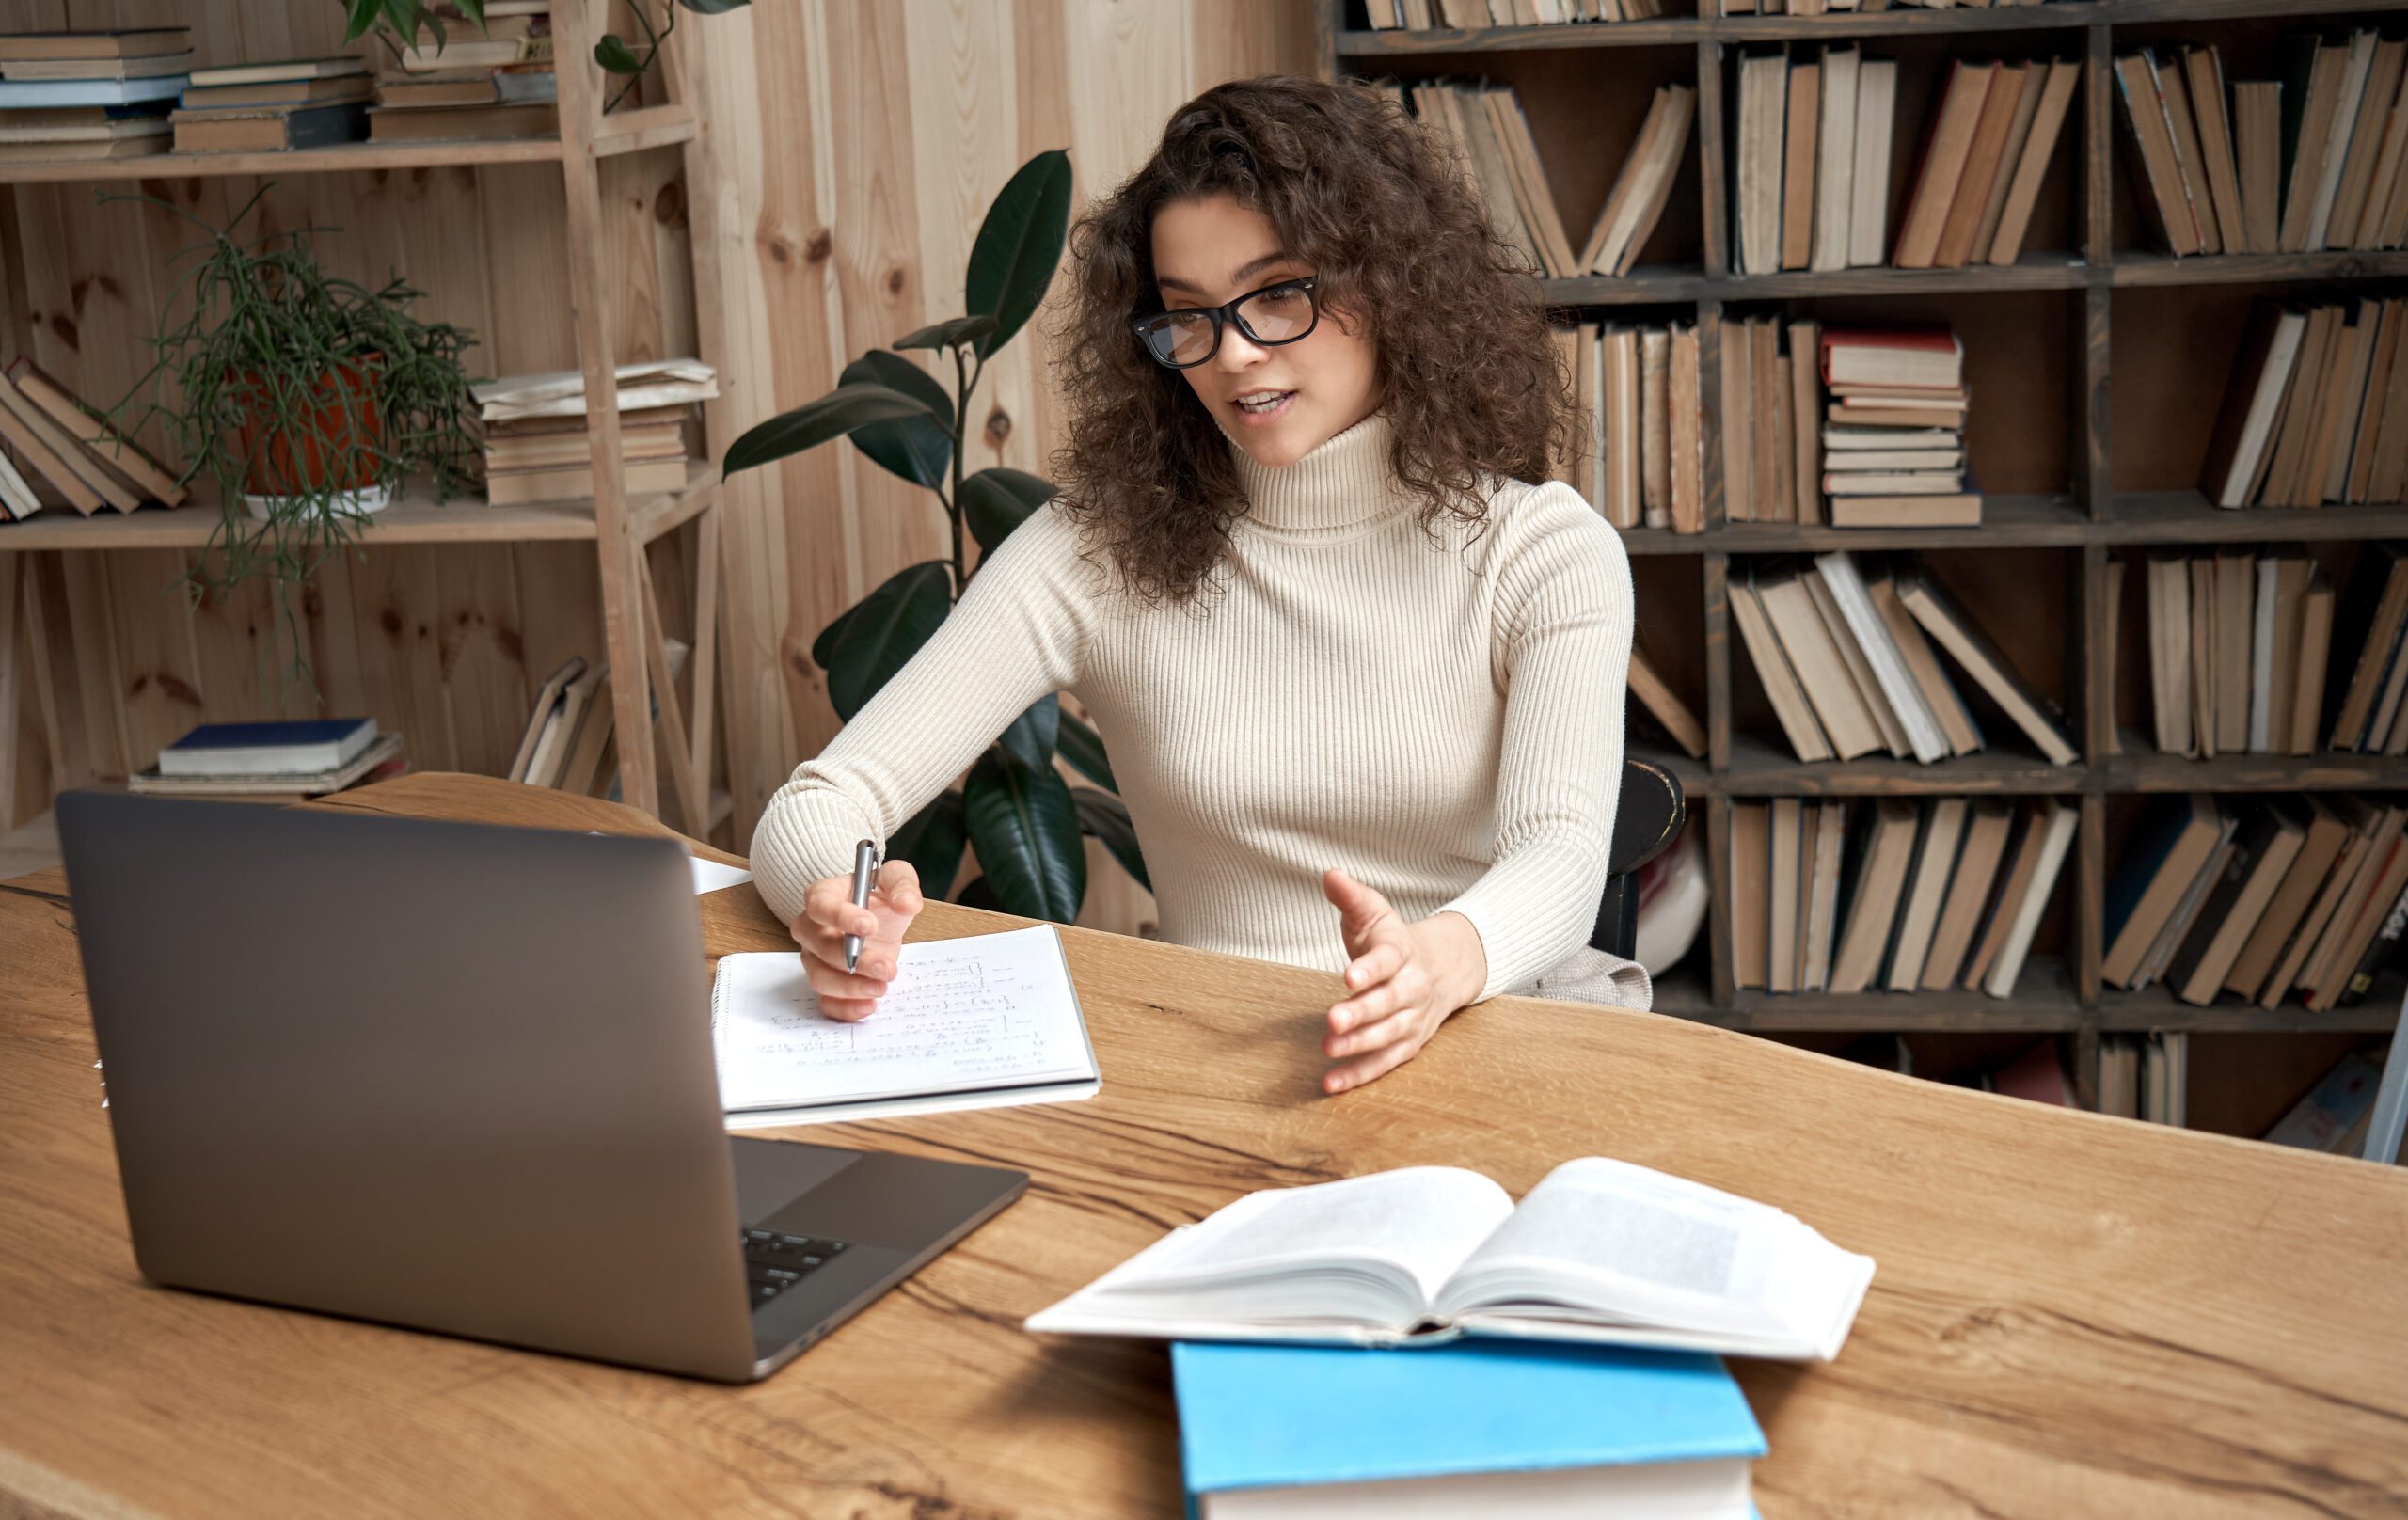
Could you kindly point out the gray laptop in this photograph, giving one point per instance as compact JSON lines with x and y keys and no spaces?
{"x":460,"y":1078}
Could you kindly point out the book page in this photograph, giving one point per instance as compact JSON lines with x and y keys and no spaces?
{"x":975,"y":1014}
{"x":1374,"y":1248}
{"x":1624,"y":1241}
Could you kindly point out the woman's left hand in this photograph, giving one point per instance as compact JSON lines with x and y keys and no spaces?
{"x":1401,"y":979}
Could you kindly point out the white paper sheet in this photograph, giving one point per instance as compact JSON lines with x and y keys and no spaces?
{"x":710,"y":875}
{"x":979,"y":1015}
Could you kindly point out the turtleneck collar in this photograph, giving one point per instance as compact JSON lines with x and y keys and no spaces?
{"x":1344,"y":482}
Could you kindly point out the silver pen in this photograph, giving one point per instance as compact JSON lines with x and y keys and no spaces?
{"x":864,"y":871}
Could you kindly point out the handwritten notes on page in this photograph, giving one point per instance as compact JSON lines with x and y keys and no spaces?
{"x":971,"y":1022}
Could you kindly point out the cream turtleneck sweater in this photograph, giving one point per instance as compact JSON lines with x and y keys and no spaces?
{"x":1443,"y":721}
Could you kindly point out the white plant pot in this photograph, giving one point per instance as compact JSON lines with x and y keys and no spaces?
{"x":373,"y":498}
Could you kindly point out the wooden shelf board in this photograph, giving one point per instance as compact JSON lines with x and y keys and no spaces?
{"x":2186,"y":518}
{"x":2140,"y":769}
{"x":1758,"y":768}
{"x":1664,"y":31}
{"x":2156,"y":1007}
{"x":654,"y":126}
{"x":2043,"y":1001}
{"x":2132,"y":268}
{"x":417,"y":518}
{"x":2007,"y":521}
{"x":341,"y":158}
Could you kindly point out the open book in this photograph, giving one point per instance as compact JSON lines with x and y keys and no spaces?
{"x":981,"y":1022}
{"x":1600,"y":1250}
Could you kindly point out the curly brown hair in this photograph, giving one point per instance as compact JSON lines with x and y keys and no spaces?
{"x":1404,"y":249}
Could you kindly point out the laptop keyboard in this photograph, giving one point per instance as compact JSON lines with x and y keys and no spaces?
{"x":775,"y":1263}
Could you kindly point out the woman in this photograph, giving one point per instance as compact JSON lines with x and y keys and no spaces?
{"x":1362,"y":684}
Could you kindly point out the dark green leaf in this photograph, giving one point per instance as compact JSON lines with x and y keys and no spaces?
{"x":473,"y":10}
{"x":1084,"y":748}
{"x":1031,"y":737}
{"x":862,"y":649}
{"x":614,"y":54}
{"x":932,"y":842}
{"x":1106,"y":816}
{"x":1026,"y":831}
{"x":919,"y":448}
{"x":812,"y":424}
{"x":996,"y":500}
{"x":945,"y":334}
{"x":981,"y":893}
{"x":1019,"y":245}
{"x":713,"y":7}
{"x":404,"y":13}
{"x":363,"y":16}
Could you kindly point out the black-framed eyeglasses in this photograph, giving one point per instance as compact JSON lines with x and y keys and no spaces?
{"x":1273,"y":315}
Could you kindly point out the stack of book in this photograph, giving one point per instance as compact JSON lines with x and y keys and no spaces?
{"x":1423,"y":15}
{"x":1833,"y":897}
{"x":461,"y":81}
{"x":1847,"y":661}
{"x":79,"y":96}
{"x":273,"y":762}
{"x":1809,"y":164}
{"x":2259,"y":897}
{"x":537,"y":447}
{"x":274,"y":106}
{"x":1893,"y":439}
{"x":2239,"y":642}
{"x":1991,"y":141}
{"x":2316,"y":408}
{"x":2314,"y":160}
{"x":59,"y":450}
{"x":1635,"y":399}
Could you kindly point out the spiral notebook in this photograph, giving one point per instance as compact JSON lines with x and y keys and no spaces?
{"x":983,"y":1021}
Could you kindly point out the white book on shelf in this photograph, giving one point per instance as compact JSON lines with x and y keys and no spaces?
{"x":2053,"y":848}
{"x":1876,"y":94}
{"x":1889,"y":664}
{"x":1836,"y":148}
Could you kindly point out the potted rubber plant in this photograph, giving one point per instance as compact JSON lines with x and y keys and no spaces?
{"x":1027,"y":823}
{"x":309,"y":400}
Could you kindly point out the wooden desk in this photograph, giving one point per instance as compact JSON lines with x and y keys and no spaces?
{"x":2073,"y":1315}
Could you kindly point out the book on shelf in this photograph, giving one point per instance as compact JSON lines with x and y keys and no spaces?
{"x":94,"y":130}
{"x":1969,"y":647}
{"x":1424,"y":15}
{"x":1945,"y":151}
{"x":269,"y":129}
{"x":331,"y":90}
{"x":1661,"y":703}
{"x":299,"y":748}
{"x":280,"y":71}
{"x":2315,"y":408}
{"x":1477,"y":1427}
{"x":2333,"y":1116}
{"x":173,"y":65}
{"x":561,"y":393}
{"x":2240,"y":665}
{"x":446,"y":123}
{"x":516,"y":487}
{"x":1906,"y":896}
{"x":123,"y":42}
{"x":86,"y":462}
{"x":1432,"y":1253}
{"x":383,"y":757}
{"x":2258,"y":900}
{"x":1635,"y":429}
{"x":1642,"y":186}
{"x":44,"y":93}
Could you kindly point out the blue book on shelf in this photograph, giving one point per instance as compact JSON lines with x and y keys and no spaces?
{"x":17,"y":93}
{"x":295,"y":749}
{"x":1473,"y":1426}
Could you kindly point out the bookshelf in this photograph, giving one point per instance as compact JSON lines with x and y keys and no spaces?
{"x":2097,"y":482}
{"x":620,"y":526}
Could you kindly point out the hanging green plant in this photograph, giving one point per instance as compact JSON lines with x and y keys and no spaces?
{"x":308,"y":400}
{"x":399,"y":21}
{"x":1028,"y":824}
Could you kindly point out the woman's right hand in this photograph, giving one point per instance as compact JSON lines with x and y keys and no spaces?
{"x":828,"y":916}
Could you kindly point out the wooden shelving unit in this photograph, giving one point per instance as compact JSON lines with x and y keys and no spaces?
{"x":620,"y":526}
{"x":2080,"y":522}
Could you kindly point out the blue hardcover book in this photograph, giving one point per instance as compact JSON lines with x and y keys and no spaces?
{"x":17,"y":93}
{"x":296,"y":748}
{"x":1501,"y":1429}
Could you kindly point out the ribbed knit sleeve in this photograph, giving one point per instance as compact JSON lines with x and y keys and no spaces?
{"x":1013,"y":638}
{"x":1563,"y":619}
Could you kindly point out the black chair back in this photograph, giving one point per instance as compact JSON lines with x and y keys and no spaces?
{"x":1646,"y":821}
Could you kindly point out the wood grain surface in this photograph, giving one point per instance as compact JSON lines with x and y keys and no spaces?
{"x":2073,"y":1315}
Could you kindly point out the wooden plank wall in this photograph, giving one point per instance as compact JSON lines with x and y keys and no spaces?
{"x":860,"y":146}
{"x":447,"y":643}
